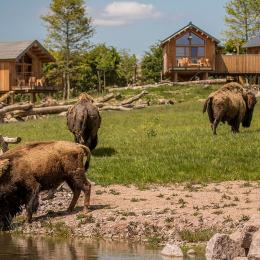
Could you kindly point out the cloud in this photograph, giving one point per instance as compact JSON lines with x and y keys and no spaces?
{"x":125,"y":12}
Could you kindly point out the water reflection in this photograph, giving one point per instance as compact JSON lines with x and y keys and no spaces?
{"x":16,"y":247}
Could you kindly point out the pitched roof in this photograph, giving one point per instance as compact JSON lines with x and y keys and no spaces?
{"x":15,"y":50}
{"x":190,"y":25}
{"x":253,"y":42}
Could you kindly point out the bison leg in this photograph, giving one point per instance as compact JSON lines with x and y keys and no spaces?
{"x":92,"y":142}
{"x":76,"y":193}
{"x":235,"y":125}
{"x":215,"y":125}
{"x":33,"y":203}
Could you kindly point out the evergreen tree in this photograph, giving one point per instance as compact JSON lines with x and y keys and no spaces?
{"x":69,"y":30}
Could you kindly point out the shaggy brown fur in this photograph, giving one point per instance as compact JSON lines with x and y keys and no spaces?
{"x":232,"y":104}
{"x":83,"y":120}
{"x":31,"y":168}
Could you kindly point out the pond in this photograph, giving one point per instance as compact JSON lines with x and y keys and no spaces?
{"x":31,"y":248}
{"x":14,"y":247}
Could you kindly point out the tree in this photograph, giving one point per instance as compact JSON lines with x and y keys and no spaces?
{"x":127,"y":67}
{"x":151,"y":64}
{"x":242,"y":20}
{"x":69,"y":30}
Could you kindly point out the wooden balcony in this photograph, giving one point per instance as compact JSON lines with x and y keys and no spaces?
{"x":192,"y":64}
{"x":238,"y":64}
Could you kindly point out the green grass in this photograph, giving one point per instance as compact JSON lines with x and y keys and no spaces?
{"x":202,"y":235}
{"x":163,"y":144}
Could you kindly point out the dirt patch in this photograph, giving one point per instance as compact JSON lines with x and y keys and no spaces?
{"x":159,"y":213}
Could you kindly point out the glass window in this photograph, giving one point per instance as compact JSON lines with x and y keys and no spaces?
{"x":180,"y":51}
{"x":201,"y":51}
{"x":184,"y":40}
{"x":196,"y":40}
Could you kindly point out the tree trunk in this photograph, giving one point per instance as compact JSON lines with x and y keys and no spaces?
{"x":104,"y":80}
{"x":68,"y":86}
{"x":99,"y":82}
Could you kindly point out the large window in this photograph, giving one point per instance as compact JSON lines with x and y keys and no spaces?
{"x":190,"y":46}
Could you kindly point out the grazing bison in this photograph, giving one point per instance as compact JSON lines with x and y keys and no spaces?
{"x":83,"y":120}
{"x":231,"y":104}
{"x":34,"y":167}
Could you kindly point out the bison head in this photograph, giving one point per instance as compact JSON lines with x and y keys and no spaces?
{"x":250,"y":100}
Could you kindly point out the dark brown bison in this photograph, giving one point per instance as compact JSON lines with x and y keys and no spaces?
{"x":34,"y":167}
{"x":231,"y":104}
{"x":83,"y":120}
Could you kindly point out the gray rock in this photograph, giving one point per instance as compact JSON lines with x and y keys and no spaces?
{"x":191,"y":252}
{"x":221,"y":246}
{"x":254,"y":251}
{"x":247,"y":235}
{"x":172,"y":250}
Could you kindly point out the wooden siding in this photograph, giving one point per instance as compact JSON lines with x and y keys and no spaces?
{"x":169,"y":50}
{"x":238,"y":64}
{"x":4,"y":76}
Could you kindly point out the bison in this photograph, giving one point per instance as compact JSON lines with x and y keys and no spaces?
{"x":231,"y":104}
{"x":34,"y":167}
{"x":83,"y":120}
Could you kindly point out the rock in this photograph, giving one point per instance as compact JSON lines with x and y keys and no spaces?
{"x":191,"y":252}
{"x":172,"y":250}
{"x":221,"y":246}
{"x":63,"y":113}
{"x":166,"y":101}
{"x":240,"y":258}
{"x":247,"y":234}
{"x":254,"y":251}
{"x":12,"y":120}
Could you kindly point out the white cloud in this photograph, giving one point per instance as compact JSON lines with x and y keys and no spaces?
{"x":125,"y":12}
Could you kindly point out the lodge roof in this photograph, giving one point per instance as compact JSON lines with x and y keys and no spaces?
{"x":190,"y":25}
{"x":15,"y":50}
{"x":253,"y":42}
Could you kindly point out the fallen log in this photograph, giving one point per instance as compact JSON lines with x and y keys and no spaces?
{"x":134,"y":98}
{"x":199,"y":82}
{"x":6,"y":96}
{"x":41,"y":111}
{"x":115,"y":108}
{"x":14,"y":107}
{"x":4,"y":141}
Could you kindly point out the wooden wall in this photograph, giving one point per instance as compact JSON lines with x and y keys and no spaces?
{"x":238,"y":64}
{"x":253,"y":50}
{"x":169,"y":53}
{"x":4,"y":75}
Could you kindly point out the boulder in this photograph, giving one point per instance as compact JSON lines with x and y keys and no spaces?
{"x":191,"y":252}
{"x":247,"y":235}
{"x":254,"y":251}
{"x":221,"y":246}
{"x":172,"y":250}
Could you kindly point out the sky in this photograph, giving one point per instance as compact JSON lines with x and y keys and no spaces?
{"x":131,"y":25}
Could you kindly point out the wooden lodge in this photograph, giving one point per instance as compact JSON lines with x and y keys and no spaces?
{"x":21,"y":67}
{"x":192,"y":53}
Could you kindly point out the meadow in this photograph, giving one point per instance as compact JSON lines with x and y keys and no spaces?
{"x":160,"y":144}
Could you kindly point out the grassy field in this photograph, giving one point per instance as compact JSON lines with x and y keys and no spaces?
{"x":161,"y":144}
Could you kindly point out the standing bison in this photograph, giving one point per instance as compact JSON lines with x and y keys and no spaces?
{"x":231,"y":104}
{"x":83,"y":120}
{"x":34,"y":167}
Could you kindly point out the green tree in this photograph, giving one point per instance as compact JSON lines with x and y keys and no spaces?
{"x":127,"y":68}
{"x":242,"y":21}
{"x":103,"y":62}
{"x":151,"y":64}
{"x":69,"y":30}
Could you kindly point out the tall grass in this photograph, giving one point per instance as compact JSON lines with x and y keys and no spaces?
{"x":163,"y":144}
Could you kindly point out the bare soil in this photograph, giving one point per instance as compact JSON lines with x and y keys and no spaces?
{"x":158,"y":212}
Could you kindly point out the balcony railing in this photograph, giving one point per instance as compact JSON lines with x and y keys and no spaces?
{"x":191,"y":62}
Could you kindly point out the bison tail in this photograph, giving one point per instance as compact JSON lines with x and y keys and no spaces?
{"x":87,"y":153}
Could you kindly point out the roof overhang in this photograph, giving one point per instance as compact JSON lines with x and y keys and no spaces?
{"x":184,"y":29}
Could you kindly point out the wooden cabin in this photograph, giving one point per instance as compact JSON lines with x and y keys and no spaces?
{"x":188,"y":53}
{"x":21,"y":67}
{"x":253,"y":45}
{"x":192,"y":53}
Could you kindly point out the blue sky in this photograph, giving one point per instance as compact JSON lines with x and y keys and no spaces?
{"x":133,"y":25}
